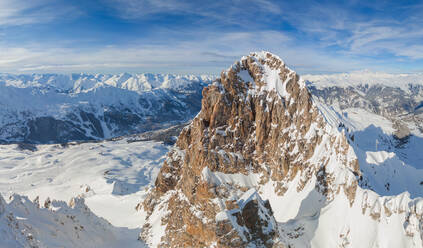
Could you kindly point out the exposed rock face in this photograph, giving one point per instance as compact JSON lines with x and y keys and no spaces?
{"x":258,"y":130}
{"x":250,"y":215}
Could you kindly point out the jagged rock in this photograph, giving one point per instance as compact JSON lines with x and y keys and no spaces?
{"x":258,"y":130}
{"x":258,"y":118}
{"x":47,"y":202}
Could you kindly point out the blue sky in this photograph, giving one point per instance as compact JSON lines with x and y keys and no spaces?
{"x":171,"y":36}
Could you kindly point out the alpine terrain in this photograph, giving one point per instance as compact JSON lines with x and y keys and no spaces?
{"x":263,"y":165}
{"x":51,"y":108}
{"x":259,"y":157}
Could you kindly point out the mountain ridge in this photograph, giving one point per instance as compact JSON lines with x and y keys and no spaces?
{"x":365,"y":77}
{"x":262,"y":135}
{"x":77,"y":82}
{"x":93,"y":108}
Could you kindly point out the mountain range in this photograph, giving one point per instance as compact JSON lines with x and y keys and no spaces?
{"x":268,"y":158}
{"x":50,"y":108}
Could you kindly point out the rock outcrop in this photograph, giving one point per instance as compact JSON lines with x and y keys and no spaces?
{"x":258,"y":135}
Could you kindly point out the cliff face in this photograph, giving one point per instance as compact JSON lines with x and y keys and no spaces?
{"x":258,"y":136}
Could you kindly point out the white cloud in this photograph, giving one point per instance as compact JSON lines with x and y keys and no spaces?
{"x":239,"y":12}
{"x":376,"y":38}
{"x":362,"y":34}
{"x":21,"y":12}
{"x":208,"y":45}
{"x":10,"y":56}
{"x":209,"y":53}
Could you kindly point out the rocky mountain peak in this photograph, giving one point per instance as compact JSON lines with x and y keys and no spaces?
{"x":258,"y":145}
{"x":262,"y":72}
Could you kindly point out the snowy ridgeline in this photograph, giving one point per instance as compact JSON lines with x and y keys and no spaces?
{"x":45,"y":108}
{"x":76,"y":83}
{"x":363,"y":78}
{"x":394,"y":96}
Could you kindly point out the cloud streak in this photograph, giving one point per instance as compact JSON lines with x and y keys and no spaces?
{"x":24,"y":12}
{"x":205,"y":37}
{"x":209,"y":54}
{"x":363,"y":34}
{"x":233,"y":12}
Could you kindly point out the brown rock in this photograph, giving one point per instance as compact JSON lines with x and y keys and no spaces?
{"x":242,"y":128}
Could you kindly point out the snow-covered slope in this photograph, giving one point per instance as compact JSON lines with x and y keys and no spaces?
{"x":389,"y":165}
{"x":50,"y":108}
{"x":106,"y":174}
{"x":24,"y":223}
{"x":397,"y":97}
{"x":381,"y":114}
{"x":107,"y":180}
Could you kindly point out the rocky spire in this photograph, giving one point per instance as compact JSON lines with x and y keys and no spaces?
{"x":258,"y":131}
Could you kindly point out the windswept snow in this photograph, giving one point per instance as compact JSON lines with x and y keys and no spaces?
{"x":26,"y":224}
{"x":111,"y":176}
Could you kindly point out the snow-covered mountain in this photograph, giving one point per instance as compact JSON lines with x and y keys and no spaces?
{"x":50,"y":108}
{"x":366,"y":77}
{"x":265,"y":164}
{"x":397,"y":97}
{"x":383,"y":114}
{"x":272,"y":159}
